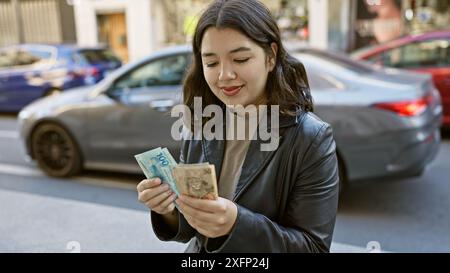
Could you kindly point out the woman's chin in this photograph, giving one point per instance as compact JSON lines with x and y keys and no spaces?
{"x":234,"y":101}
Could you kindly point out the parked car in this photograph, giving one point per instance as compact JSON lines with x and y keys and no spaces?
{"x":386,"y":123}
{"x":425,"y":53}
{"x":29,"y":72}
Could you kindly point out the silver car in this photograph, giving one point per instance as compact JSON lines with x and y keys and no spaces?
{"x":385,"y":122}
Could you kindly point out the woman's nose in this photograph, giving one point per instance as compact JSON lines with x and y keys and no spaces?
{"x":227,"y":73}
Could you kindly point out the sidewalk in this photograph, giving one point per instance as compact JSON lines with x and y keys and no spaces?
{"x":36,"y":223}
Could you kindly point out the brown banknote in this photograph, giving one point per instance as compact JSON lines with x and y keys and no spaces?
{"x":196,"y":180}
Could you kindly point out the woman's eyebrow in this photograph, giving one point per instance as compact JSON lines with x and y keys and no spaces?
{"x":239,"y":49}
{"x":208,"y":54}
{"x":242,"y":48}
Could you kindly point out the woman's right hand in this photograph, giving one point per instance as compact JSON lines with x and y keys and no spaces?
{"x":156,"y":196}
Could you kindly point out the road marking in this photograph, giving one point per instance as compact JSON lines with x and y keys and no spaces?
{"x":346,"y":248}
{"x":9,"y":134}
{"x":29,"y":171}
{"x":20,"y":170}
{"x":105,"y":183}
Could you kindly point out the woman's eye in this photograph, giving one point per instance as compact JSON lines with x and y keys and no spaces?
{"x":240,"y":61}
{"x":211,"y":64}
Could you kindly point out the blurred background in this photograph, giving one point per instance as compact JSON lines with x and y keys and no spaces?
{"x":86,"y":84}
{"x":134,"y":29}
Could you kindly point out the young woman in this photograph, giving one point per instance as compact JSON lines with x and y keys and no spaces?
{"x":284,"y":200}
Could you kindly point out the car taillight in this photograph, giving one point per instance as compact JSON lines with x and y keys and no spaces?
{"x":407,"y":108}
{"x":85,"y":72}
{"x":92,"y":72}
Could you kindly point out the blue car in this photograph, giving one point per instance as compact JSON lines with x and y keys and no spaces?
{"x":28,"y":72}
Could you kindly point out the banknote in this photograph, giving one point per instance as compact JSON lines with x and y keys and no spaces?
{"x":196,"y":180}
{"x":158,"y":163}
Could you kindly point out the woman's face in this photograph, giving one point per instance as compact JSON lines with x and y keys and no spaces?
{"x":235,"y":67}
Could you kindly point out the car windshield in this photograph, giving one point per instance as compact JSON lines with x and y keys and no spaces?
{"x":355,"y":66}
{"x":95,"y":56}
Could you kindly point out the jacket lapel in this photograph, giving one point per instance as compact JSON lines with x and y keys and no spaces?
{"x":214,"y":152}
{"x":254,"y":162}
{"x":256,"y":159}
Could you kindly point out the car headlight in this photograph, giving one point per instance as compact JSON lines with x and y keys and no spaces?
{"x":24,"y":114}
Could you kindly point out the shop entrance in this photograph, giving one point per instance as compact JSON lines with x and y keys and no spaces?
{"x":112,"y":31}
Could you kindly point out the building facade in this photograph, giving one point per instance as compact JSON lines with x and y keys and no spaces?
{"x":346,"y":25}
{"x":133,"y":29}
{"x":36,"y":21}
{"x":128,"y":27}
{"x":383,"y":20}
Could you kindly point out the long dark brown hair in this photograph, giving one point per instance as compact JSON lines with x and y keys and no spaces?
{"x":287,"y":84}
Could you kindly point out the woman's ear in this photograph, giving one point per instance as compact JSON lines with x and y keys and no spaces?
{"x":273,"y":57}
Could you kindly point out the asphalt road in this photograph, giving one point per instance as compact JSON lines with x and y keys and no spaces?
{"x":99,"y":211}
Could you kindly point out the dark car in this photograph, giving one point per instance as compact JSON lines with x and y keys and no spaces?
{"x":28,"y":72}
{"x":424,"y":53}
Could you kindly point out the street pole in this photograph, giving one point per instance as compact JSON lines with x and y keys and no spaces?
{"x":19,"y":23}
{"x":318,"y":23}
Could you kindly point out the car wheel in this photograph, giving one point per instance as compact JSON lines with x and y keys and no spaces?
{"x":55,"y":151}
{"x":52,"y":92}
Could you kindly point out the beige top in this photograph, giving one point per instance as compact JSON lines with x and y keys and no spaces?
{"x":234,"y":156}
{"x":235,"y":151}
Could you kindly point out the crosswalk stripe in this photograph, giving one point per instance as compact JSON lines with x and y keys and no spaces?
{"x":9,"y":134}
{"x":19,"y":170}
{"x":34,"y":172}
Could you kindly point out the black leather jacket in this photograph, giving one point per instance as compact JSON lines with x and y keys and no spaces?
{"x":287,"y":199}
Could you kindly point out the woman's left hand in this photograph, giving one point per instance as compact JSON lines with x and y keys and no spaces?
{"x":212,"y":218}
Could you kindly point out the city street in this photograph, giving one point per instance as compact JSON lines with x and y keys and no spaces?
{"x":99,"y":211}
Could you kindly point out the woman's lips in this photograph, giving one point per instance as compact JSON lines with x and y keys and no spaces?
{"x":232,"y":90}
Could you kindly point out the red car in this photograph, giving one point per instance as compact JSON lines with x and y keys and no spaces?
{"x":425,"y":53}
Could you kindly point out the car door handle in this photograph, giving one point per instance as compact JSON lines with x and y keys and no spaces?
{"x":162,"y":105}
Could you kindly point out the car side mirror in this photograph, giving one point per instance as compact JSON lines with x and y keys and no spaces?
{"x":113,"y":95}
{"x":120,"y":95}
